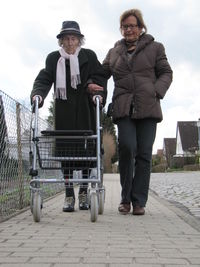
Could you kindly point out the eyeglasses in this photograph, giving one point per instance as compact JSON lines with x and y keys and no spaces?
{"x":130,"y":26}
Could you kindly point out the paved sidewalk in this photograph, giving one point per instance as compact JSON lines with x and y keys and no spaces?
{"x":166,"y":236}
{"x":180,"y":187}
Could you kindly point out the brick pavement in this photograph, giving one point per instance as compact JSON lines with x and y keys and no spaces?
{"x":165,"y":237}
{"x":181,"y":188}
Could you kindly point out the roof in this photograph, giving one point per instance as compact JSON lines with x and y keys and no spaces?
{"x":188,"y":131}
{"x":170,"y":146}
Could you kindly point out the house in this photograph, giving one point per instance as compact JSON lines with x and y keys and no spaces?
{"x":186,"y":138}
{"x":182,"y":150}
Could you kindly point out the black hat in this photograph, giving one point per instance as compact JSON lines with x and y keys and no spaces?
{"x":70,"y":27}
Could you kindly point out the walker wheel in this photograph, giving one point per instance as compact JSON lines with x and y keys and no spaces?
{"x":93,"y":206}
{"x":37,"y":204}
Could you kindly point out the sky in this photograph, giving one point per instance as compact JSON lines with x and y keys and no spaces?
{"x":28,"y":33}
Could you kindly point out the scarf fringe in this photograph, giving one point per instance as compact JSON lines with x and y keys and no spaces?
{"x":60,"y":93}
{"x":75,"y":80}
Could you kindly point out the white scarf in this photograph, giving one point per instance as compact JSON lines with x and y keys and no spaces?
{"x":61,"y":90}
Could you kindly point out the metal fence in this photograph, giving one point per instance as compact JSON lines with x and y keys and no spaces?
{"x":15,"y":157}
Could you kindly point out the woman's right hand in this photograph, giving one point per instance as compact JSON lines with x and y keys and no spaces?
{"x":34,"y":98}
{"x":94,"y":88}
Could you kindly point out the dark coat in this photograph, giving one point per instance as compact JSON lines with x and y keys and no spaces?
{"x":78,"y":111}
{"x":140,"y":79}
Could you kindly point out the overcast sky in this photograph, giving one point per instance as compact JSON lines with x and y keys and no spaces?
{"x":28,"y":33}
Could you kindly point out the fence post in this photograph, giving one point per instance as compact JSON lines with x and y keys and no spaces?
{"x":19,"y":152}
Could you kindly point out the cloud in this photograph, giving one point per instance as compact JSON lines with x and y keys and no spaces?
{"x":185,"y":87}
{"x":163,"y":4}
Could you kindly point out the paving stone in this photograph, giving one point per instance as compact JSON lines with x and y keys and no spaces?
{"x":168,"y":235}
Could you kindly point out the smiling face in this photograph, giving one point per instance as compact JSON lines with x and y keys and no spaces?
{"x":130,"y":29}
{"x":70,"y":43}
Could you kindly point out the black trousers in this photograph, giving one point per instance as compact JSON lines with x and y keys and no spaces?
{"x":136,"y":138}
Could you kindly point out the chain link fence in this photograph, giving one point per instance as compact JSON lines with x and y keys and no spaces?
{"x":15,"y":158}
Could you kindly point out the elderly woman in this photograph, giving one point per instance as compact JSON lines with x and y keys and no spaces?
{"x":71,"y":70}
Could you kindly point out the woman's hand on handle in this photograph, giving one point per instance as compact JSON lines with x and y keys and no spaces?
{"x":94,"y":88}
{"x":34,"y":98}
{"x":100,"y":99}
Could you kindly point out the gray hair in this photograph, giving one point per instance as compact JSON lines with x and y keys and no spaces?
{"x":81,"y":40}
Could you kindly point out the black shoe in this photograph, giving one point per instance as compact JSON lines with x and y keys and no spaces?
{"x":83,"y":201}
{"x":69,"y":204}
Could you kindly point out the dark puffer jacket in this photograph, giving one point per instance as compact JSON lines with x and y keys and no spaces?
{"x":140,"y":79}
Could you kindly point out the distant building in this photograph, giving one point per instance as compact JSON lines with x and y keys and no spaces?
{"x":186,"y":138}
{"x":182,"y":149}
{"x":160,"y":152}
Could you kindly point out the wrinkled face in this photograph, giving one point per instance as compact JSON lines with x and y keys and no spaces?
{"x":70,"y":43}
{"x":130,"y":29}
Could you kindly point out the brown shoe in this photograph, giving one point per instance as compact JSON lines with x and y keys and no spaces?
{"x":124,"y":208}
{"x":137,"y":210}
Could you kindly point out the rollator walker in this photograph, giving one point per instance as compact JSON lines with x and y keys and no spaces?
{"x":78,"y":156}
